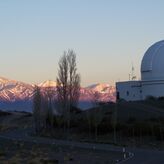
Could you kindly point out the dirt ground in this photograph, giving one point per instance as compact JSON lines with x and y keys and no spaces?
{"x":19,"y":152}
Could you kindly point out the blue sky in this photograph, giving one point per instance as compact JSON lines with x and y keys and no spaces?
{"x":107,"y":36}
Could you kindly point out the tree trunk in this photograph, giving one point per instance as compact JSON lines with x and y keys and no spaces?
{"x":96,"y":133}
{"x":115,"y":140}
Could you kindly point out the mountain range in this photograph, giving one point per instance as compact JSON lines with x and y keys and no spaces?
{"x":15,"y":95}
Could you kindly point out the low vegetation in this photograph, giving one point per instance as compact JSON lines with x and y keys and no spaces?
{"x":124,"y":123}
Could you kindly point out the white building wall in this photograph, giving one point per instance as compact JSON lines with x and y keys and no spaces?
{"x":129,"y":90}
{"x":153,"y":88}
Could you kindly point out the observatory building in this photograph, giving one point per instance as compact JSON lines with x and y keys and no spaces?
{"x":152,"y":77}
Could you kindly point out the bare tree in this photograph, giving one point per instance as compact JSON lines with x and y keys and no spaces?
{"x":89,"y":120}
{"x":97,"y":115}
{"x":95,"y":99}
{"x":114,"y":121}
{"x":50,"y":114}
{"x":68,"y":84}
{"x":62,"y":84}
{"x":74,"y":79}
{"x":37,"y":109}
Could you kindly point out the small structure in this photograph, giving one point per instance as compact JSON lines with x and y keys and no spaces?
{"x":152,"y":77}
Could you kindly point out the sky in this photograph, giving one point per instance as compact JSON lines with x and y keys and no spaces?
{"x":108,"y":36}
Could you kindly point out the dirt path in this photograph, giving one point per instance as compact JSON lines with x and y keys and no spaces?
{"x":140,"y":155}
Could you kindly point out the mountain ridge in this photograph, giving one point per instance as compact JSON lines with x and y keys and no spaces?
{"x":16,"y":91}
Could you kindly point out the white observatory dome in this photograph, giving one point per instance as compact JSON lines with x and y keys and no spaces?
{"x":152,"y":66}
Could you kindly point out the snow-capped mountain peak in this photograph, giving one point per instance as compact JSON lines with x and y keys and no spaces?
{"x":102,"y":88}
{"x":48,"y":83}
{"x":11,"y":90}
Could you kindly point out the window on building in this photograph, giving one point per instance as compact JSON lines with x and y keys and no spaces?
{"x":127,"y":93}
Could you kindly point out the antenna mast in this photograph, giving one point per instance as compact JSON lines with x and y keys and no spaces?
{"x":132,"y":73}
